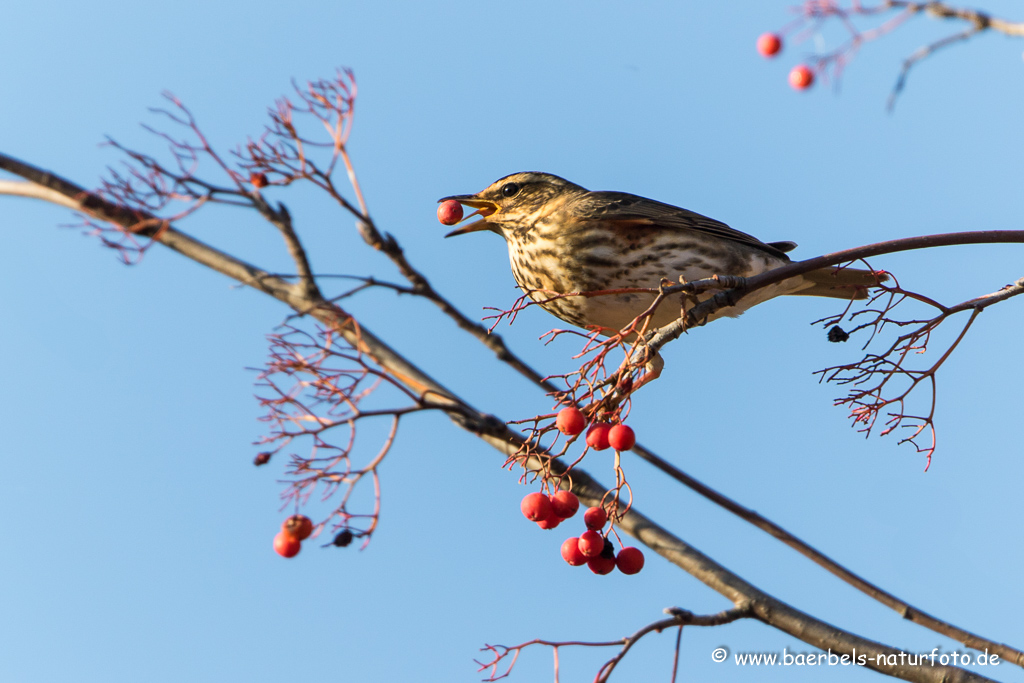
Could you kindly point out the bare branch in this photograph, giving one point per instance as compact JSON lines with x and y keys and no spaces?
{"x":815,"y":14}
{"x":282,"y":220}
{"x":920,"y":54}
{"x":679,"y":618}
{"x":17,"y":188}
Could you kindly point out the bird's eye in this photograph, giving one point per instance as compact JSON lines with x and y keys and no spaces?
{"x":510,"y":189}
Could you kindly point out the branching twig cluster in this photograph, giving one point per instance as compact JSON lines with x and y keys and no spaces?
{"x":281,"y":151}
{"x":316,"y":386}
{"x":602,"y":391}
{"x":172,"y":192}
{"x":160,"y":193}
{"x":880,"y":383}
{"x":507,"y":656}
{"x":863,"y":23}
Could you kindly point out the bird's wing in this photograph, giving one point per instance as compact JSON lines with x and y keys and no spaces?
{"x":632,"y":210}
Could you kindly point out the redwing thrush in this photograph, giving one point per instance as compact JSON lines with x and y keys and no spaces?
{"x":563,"y":238}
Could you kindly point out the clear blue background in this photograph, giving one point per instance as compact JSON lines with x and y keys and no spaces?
{"x":137,"y":532}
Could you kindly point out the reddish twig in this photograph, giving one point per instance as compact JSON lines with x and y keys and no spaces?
{"x":814,"y":15}
{"x":678,"y":618}
{"x":313,"y":387}
{"x":873,"y":378}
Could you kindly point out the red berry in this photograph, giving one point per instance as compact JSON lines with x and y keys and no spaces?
{"x":621,"y":437}
{"x":286,"y":545}
{"x":536,"y":507}
{"x":299,"y":526}
{"x":449,"y":212}
{"x":801,"y":77}
{"x":601,"y":564}
{"x":259,"y":180}
{"x":571,"y":552}
{"x":595,"y":518}
{"x":550,"y":522}
{"x":597,"y":436}
{"x":769,"y":44}
{"x":591,"y":543}
{"x":565,"y":504}
{"x":630,"y":560}
{"x":570,"y":421}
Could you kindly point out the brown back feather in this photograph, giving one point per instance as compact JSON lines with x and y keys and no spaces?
{"x":630,"y":209}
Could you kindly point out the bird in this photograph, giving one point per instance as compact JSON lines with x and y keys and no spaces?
{"x":564,"y":239}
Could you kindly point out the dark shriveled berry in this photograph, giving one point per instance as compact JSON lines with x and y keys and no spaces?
{"x":837,"y":334}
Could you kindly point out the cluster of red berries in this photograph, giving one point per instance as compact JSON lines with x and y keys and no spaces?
{"x":294,"y":531}
{"x":591,"y":548}
{"x":601,"y":435}
{"x":801,"y":77}
{"x":549,"y":511}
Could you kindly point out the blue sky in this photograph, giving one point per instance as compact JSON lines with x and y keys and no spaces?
{"x":138,"y":532}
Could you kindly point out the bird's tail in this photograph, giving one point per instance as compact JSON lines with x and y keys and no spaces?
{"x":845,"y":283}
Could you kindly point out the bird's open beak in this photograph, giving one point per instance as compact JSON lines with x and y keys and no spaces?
{"x":483,"y":208}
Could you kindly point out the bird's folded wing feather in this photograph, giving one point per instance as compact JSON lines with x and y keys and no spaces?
{"x":632,"y":210}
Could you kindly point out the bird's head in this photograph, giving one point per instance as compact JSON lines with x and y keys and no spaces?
{"x":515,"y":201}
